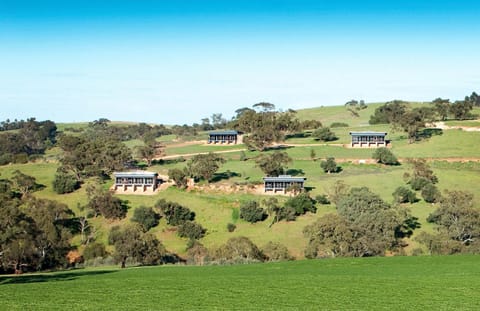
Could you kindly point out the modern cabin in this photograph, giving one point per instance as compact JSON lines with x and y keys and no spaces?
{"x":368,"y":139}
{"x":282,"y":183}
{"x":223,"y":137}
{"x":138,"y":181}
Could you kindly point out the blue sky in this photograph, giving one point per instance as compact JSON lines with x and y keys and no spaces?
{"x":180,"y":61}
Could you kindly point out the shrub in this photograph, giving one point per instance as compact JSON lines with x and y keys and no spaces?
{"x":231,"y":227}
{"x":239,"y":250}
{"x":146,"y":217}
{"x":430,"y":193}
{"x":385,"y":156}
{"x":6,"y":158}
{"x":65,"y":182}
{"x":339,"y":124}
{"x":251,"y":212}
{"x":324,"y":134}
{"x":329,"y":166}
{"x":404,"y":195}
{"x":191,"y":230}
{"x":174,"y":213}
{"x":94,"y":250}
{"x":301,"y":203}
{"x":322,"y":199}
{"x":275,"y":251}
{"x":418,"y":183}
{"x":179,"y":177}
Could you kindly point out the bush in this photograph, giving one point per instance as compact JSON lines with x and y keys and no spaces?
{"x":322,"y":199}
{"x":231,"y":227}
{"x":276,"y":252}
{"x":251,"y":212}
{"x":146,"y":217}
{"x":385,"y":156}
{"x":329,"y":166}
{"x":404,"y":195}
{"x":6,"y":158}
{"x":302,"y":203}
{"x":179,"y":177}
{"x":339,"y":124}
{"x":191,"y":230}
{"x":418,"y":183}
{"x":174,"y":213}
{"x":324,"y":134}
{"x":65,"y":182}
{"x":94,"y":250}
{"x":20,"y":158}
{"x":239,"y":250}
{"x":430,"y":193}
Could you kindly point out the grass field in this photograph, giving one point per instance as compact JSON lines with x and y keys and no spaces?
{"x":391,"y":283}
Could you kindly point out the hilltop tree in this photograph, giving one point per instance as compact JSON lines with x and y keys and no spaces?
{"x":442,"y":107}
{"x":390,"y":112}
{"x":461,"y":109}
{"x":273,"y":164}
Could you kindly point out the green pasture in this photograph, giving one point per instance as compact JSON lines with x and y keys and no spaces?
{"x":202,"y":147}
{"x":388,"y":283}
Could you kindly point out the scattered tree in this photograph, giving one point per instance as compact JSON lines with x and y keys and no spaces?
{"x":204,"y":166}
{"x":329,"y":165}
{"x":146,"y":217}
{"x":324,"y":134}
{"x":191,"y":230}
{"x":385,"y":156}
{"x":174,"y":213}
{"x":404,"y":195}
{"x":275,"y":251}
{"x":430,"y":193}
{"x":250,"y":211}
{"x":102,"y":202}
{"x":131,"y":242}
{"x":65,"y":182}
{"x":179,"y":177}
{"x":273,"y":164}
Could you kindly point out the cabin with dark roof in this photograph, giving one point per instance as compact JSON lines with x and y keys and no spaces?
{"x":368,"y":139}
{"x":282,"y":183}
{"x":223,"y":137}
{"x":135,"y":182}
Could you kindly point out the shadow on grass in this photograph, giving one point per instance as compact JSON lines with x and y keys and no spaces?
{"x":295,"y":172}
{"x":224,"y":175}
{"x":53,"y":277}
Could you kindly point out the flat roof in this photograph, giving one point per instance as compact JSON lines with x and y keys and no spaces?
{"x":368,"y":133}
{"x":228,"y":132}
{"x":286,"y":178}
{"x":135,"y":174}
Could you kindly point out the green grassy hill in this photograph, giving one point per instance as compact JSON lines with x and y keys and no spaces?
{"x":389,"y":283}
{"x":216,"y":208}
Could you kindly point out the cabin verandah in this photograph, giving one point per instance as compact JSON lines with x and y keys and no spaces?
{"x":135,"y":181}
{"x":368,"y":139}
{"x":223,"y":137}
{"x":282,"y":183}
